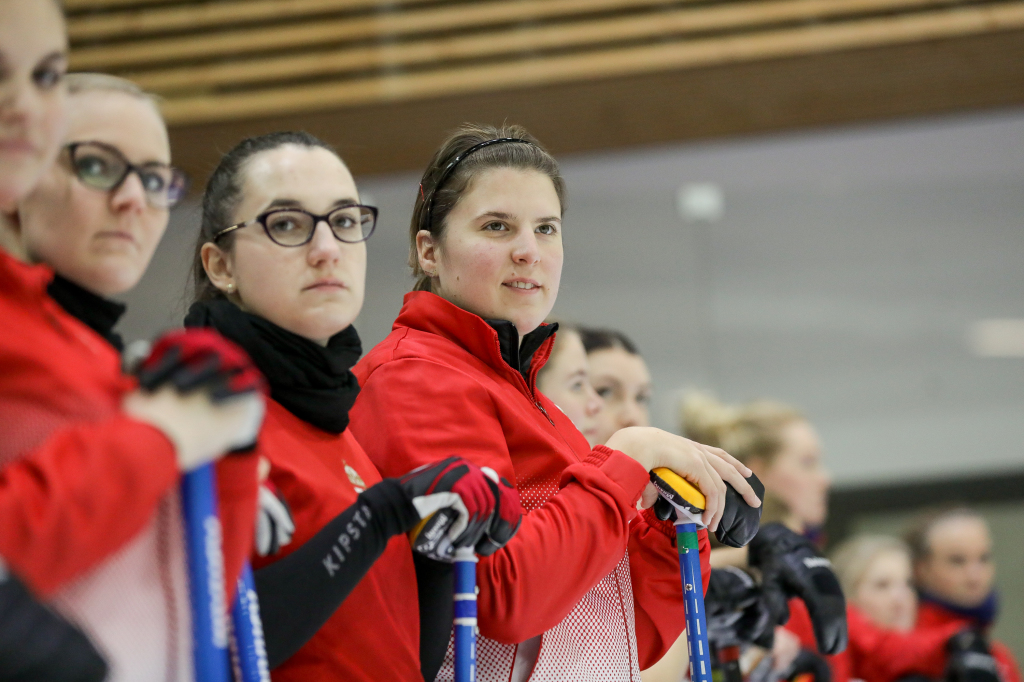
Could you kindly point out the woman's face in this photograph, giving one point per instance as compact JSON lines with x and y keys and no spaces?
{"x":622,"y":381}
{"x":314,"y":290}
{"x":797,"y":475}
{"x":566,"y":382}
{"x":886,"y":594}
{"x":33,"y":59}
{"x":959,"y":566}
{"x":102,"y":240}
{"x":501,"y":253}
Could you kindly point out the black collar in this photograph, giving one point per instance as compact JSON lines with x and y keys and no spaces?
{"x":98,"y":313}
{"x":520,"y":356}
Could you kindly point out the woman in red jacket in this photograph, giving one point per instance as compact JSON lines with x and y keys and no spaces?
{"x":280,"y":269}
{"x":88,"y":464}
{"x":589,"y":588}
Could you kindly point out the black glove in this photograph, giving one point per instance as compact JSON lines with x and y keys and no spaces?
{"x":808,"y":663}
{"x":36,"y":644}
{"x":736,"y":611}
{"x":970,"y":659}
{"x":739,"y":522}
{"x":791,"y":566}
{"x":455,"y":502}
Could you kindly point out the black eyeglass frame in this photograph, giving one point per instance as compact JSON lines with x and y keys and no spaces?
{"x":317,"y":219}
{"x":427,"y":216}
{"x":129,"y":168}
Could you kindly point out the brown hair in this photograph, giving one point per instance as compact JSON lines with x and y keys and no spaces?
{"x":917,"y":535}
{"x":601,"y":339}
{"x":224,"y":193}
{"x":452,"y":187}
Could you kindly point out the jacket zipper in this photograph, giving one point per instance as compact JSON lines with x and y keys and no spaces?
{"x":544,"y":412}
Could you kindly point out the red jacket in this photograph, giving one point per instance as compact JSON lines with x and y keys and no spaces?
{"x":932,"y":617}
{"x":88,"y":496}
{"x":374,"y":634}
{"x":586,"y":569}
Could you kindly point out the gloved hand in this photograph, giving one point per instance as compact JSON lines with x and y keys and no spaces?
{"x":970,"y":659}
{"x":274,"y":523}
{"x":36,"y":644}
{"x":739,"y":522}
{"x":792,"y":567}
{"x":508,"y":514}
{"x":455,"y":504}
{"x":808,"y":667}
{"x":203,"y":392}
{"x":190,"y":359}
{"x":735,"y":610}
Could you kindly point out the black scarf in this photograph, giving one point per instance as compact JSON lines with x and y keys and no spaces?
{"x":312,"y":382}
{"x":96,"y":312}
{"x":519,"y":356}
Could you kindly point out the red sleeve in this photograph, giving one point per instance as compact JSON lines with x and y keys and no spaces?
{"x":237,"y":490}
{"x":883,"y":655}
{"x":1008,"y":668}
{"x":525,"y":588}
{"x":657,"y":586}
{"x":81,"y":496}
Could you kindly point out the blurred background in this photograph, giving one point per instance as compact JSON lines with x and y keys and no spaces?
{"x":818,"y":201}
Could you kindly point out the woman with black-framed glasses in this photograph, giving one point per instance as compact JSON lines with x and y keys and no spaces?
{"x":280,"y":267}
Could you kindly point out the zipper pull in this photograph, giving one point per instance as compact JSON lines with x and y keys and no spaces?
{"x":544,"y":412}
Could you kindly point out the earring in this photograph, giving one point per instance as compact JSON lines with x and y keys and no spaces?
{"x":231,"y":287}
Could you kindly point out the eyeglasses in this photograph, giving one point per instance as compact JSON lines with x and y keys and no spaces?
{"x":352,"y":223}
{"x":103,"y":167}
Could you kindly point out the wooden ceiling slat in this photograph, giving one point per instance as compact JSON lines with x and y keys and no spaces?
{"x":603,"y":64}
{"x":524,"y":40}
{"x":305,"y":35}
{"x":194,"y":16}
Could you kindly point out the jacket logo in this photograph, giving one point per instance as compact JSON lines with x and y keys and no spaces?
{"x":343,"y":546}
{"x":355,"y":479}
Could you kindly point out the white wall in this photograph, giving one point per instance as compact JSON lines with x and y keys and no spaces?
{"x":842,"y":278}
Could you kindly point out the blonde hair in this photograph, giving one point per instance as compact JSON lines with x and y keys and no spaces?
{"x":747,"y":432}
{"x":78,"y":83}
{"x":853,"y":558}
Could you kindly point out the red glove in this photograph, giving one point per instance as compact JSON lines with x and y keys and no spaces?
{"x":191,"y":359}
{"x":508,"y":514}
{"x":455,"y":504}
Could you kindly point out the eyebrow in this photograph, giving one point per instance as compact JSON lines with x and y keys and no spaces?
{"x":500,"y":215}
{"x":295,"y":203}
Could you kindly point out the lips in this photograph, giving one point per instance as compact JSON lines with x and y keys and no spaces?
{"x":522,"y":284}
{"x":326,"y":284}
{"x":125,"y":236}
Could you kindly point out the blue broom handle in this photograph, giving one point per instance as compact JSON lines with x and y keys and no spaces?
{"x":249,"y":651}
{"x":204,"y":546}
{"x":693,"y":599}
{"x":465,"y":615}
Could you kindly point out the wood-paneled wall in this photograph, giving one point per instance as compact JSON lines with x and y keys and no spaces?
{"x":384,"y":79}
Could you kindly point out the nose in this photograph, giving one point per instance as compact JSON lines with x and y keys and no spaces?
{"x":594,"y":403}
{"x":129,"y":196}
{"x":17,"y":101}
{"x":526,"y":250}
{"x":323,"y":247}
{"x":631,"y":415}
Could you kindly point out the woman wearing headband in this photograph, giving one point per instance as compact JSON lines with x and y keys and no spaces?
{"x":589,"y":588}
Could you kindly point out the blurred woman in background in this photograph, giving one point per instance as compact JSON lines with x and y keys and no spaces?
{"x":565,"y":380}
{"x":954,"y":572}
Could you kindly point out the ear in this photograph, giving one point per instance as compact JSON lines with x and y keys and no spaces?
{"x":427,"y":250}
{"x":219,"y":267}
